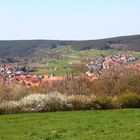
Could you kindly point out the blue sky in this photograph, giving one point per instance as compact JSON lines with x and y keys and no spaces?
{"x":68,"y":19}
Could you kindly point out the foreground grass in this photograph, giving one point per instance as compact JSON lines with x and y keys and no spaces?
{"x":81,"y":125}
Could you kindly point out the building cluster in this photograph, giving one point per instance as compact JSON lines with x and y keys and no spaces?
{"x":32,"y":80}
{"x":20,"y":75}
{"x":11,"y":71}
{"x":97,"y":65}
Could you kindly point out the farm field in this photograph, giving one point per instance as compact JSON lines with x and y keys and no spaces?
{"x":71,"y":58}
{"x":78,"y":125}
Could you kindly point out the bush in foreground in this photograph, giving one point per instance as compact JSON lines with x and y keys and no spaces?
{"x":59,"y":102}
{"x":38,"y":103}
{"x":92,"y":103}
{"x":128,"y":100}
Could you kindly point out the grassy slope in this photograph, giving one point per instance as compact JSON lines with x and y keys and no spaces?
{"x":81,"y":125}
{"x":71,"y":57}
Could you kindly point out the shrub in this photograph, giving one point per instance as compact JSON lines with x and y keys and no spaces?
{"x":58,"y":102}
{"x":10,"y":107}
{"x":38,"y":103}
{"x":4,"y":91}
{"x":128,"y":100}
{"x":81,"y":102}
{"x":50,"y":102}
{"x":91,"y":103}
{"x":18,"y":92}
{"x":76,"y":86}
{"x":103,"y":102}
{"x":116,"y":81}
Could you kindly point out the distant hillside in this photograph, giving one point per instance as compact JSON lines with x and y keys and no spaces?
{"x":127,"y":43}
{"x":28,"y":49}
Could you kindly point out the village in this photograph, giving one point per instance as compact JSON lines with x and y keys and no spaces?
{"x":21,"y":75}
{"x":102,"y":63}
{"x":96,"y":66}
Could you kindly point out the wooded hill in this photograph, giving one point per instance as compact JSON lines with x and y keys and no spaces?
{"x":37,"y":48}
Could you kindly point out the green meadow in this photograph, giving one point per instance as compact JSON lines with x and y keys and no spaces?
{"x":77,"y":125}
{"x":71,"y":58}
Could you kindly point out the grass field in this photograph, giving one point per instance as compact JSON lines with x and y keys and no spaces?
{"x":71,"y":58}
{"x":80,"y":125}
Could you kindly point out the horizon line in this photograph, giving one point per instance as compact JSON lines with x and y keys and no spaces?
{"x":43,"y":39}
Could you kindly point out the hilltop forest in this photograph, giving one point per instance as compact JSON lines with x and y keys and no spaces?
{"x":13,"y":50}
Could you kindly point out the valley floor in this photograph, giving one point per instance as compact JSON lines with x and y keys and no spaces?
{"x":77,"y":125}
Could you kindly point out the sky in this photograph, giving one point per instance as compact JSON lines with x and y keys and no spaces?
{"x":68,"y":19}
